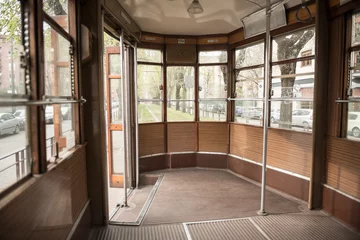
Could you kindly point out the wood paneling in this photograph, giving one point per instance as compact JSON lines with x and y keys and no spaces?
{"x":290,"y":150}
{"x":213,"y":137}
{"x":291,"y":16}
{"x":151,"y":139}
{"x":343,"y":165}
{"x":182,"y":160}
{"x":212,"y":40}
{"x":333,"y":3}
{"x":151,"y":38}
{"x":181,"y":137}
{"x":211,"y":160}
{"x":49,"y":206}
{"x":183,"y":40}
{"x":237,"y":36}
{"x":153,"y":163}
{"x":246,"y":141}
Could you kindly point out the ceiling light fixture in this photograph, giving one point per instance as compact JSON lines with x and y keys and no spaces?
{"x":195,"y":7}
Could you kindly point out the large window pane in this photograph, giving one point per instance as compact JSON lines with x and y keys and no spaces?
{"x":149,"y":55}
{"x":212,"y":110}
{"x":250,"y":83}
{"x":150,"y":112}
{"x":292,"y":45}
{"x":353,"y":124}
{"x":117,"y":141}
{"x":249,"y":56}
{"x":213,"y":80}
{"x":295,"y":115}
{"x":114,"y":64}
{"x":180,"y":111}
{"x":58,"y":10}
{"x":115,"y":100}
{"x":355,"y":74}
{"x":57,"y":63}
{"x":213,"y":57}
{"x":249,"y":112}
{"x":14,"y":148}
{"x":149,"y":83}
{"x":356,"y":29}
{"x":180,"y":83}
{"x":301,"y":87}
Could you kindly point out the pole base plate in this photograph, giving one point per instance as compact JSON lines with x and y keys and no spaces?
{"x":262,"y":213}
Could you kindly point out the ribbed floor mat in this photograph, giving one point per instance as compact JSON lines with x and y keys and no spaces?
{"x":229,"y":230}
{"x":159,"y":232}
{"x":304,"y":226}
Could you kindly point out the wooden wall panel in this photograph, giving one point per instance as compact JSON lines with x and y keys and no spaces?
{"x":237,"y":36}
{"x":343,"y":165}
{"x":184,"y":40}
{"x":181,"y":137}
{"x":212,"y":40}
{"x":50,"y":205}
{"x":152,"y":38}
{"x":151,"y":139}
{"x":290,"y":150}
{"x":213,"y":137}
{"x":291,"y":16}
{"x":246,"y":141}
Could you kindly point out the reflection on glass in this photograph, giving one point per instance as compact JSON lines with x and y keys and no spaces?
{"x":180,"y":111}
{"x":117,"y":142}
{"x":149,"y":112}
{"x":114,"y":64}
{"x":149,"y":79}
{"x":290,"y":46}
{"x":115,"y":100}
{"x":212,"y":110}
{"x":58,"y":10}
{"x":213,"y":80}
{"x":213,"y":57}
{"x":295,"y":115}
{"x":250,"y":83}
{"x":67,"y":112}
{"x":249,"y":112}
{"x":149,"y":55}
{"x":180,"y":83}
{"x":356,"y":29}
{"x":353,"y":123}
{"x":249,"y":56}
{"x":57,"y":63}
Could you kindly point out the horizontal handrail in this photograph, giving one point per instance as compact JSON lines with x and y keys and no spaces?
{"x":10,"y":103}
{"x":348,"y":101}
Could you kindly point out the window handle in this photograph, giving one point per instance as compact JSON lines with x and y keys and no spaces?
{"x":199,"y":88}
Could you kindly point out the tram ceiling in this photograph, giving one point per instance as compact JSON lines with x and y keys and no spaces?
{"x":172,"y":17}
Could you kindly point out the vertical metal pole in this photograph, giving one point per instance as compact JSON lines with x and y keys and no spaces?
{"x":136,"y":118}
{"x":266,"y":107}
{"x":124,"y":110}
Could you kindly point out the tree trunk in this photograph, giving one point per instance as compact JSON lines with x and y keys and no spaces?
{"x":287,"y":86}
{"x":178,"y":87}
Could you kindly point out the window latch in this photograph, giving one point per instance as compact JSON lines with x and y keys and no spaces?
{"x":200,"y":88}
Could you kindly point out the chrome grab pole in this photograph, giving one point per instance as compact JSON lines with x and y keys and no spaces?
{"x":136,"y":118}
{"x":125,"y":113}
{"x":266,"y":107}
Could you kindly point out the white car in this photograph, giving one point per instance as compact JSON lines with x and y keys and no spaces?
{"x":302,"y":118}
{"x":9,"y":124}
{"x":354,"y":123}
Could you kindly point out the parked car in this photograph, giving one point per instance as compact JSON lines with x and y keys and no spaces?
{"x":354,"y":123}
{"x":9,"y":124}
{"x":239,"y":111}
{"x":302,"y":118}
{"x":21,"y":115}
{"x":252,"y":113}
{"x":275,"y":115}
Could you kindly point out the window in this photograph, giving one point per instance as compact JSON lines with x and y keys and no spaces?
{"x":249,"y":84}
{"x":353,"y":91}
{"x":292,"y":80}
{"x":213,"y":86}
{"x":149,"y":85}
{"x":180,"y":93}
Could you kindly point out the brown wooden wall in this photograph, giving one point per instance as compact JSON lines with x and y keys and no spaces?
{"x":213,"y":137}
{"x":181,"y":137}
{"x":151,"y":139}
{"x":48,"y":208}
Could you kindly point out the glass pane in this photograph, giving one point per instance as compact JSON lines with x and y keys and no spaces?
{"x":180,"y":111}
{"x":59,"y":129}
{"x":58,"y":10}
{"x":116,"y":100}
{"x":57,"y":63}
{"x":250,"y":83}
{"x":353,"y":124}
{"x":149,"y":81}
{"x":213,"y":80}
{"x":292,"y":45}
{"x":11,"y":74}
{"x":249,"y":112}
{"x":150,"y":112}
{"x":213,"y":57}
{"x":180,"y":83}
{"x":114,"y":64}
{"x":356,"y":29}
{"x":292,"y":115}
{"x":14,"y":148}
{"x":250,"y":55}
{"x":212,"y":110}
{"x":149,"y":55}
{"x":117,"y":138}
{"x":355,"y":83}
